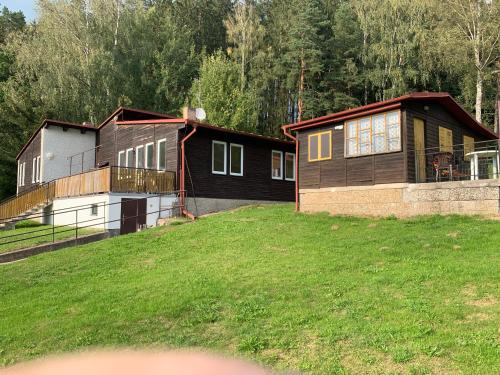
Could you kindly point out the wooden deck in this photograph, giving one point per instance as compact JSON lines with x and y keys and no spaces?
{"x":105,"y":180}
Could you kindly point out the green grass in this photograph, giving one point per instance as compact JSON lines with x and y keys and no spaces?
{"x":312,"y":293}
{"x":30,"y":233}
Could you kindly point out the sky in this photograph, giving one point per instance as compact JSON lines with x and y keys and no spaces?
{"x":26,"y":6}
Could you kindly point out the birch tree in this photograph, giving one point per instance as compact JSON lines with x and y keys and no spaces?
{"x":477,"y":22}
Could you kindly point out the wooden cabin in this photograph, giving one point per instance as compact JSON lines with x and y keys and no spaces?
{"x":149,"y":164}
{"x":397,"y":141}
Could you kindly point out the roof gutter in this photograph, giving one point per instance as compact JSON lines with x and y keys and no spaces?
{"x":185,"y":212}
{"x":289,"y":135}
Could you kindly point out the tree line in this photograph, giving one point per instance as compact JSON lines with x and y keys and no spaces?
{"x":252,"y":65}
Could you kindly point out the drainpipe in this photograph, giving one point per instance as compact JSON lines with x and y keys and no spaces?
{"x":289,"y":135}
{"x":185,"y":212}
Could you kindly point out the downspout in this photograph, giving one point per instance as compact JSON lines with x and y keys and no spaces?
{"x":185,"y":212}
{"x":289,"y":135}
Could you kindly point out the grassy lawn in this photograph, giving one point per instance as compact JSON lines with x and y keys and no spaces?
{"x":30,"y":233}
{"x":312,"y":293}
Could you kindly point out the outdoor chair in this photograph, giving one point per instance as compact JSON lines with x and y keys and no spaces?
{"x":444,"y":165}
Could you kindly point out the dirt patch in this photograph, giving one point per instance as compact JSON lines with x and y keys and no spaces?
{"x":487,"y":301}
{"x":478,"y":317}
{"x":372,"y":225}
{"x":453,"y":234}
{"x":370,"y":361}
{"x":469,"y":290}
{"x":335,"y":227}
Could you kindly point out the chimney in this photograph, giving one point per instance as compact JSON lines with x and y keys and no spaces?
{"x":188,"y":113}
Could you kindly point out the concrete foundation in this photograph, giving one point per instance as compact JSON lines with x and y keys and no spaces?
{"x":203,"y":206}
{"x":404,"y":200}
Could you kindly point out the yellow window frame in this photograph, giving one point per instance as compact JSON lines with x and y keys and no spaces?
{"x":320,"y":146}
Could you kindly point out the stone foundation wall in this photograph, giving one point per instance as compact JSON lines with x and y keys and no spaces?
{"x":404,"y":200}
{"x":203,"y":206}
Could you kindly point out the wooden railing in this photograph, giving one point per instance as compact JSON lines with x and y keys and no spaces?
{"x":110,"y":179}
{"x":92,"y":182}
{"x":136,"y":180}
{"x":26,"y":201}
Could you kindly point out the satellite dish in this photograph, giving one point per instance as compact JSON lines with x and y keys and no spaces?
{"x":200,"y":114}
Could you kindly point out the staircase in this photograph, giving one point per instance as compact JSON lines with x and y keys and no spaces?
{"x":26,"y":204}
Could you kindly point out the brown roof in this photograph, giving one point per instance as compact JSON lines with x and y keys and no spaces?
{"x":202,"y":125}
{"x":50,"y":122}
{"x":443,"y":98}
{"x":127,"y":110}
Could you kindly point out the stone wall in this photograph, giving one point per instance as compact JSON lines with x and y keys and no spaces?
{"x":203,"y":206}
{"x":404,"y":200}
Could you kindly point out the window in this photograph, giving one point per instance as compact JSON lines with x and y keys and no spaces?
{"x":129,"y":157}
{"x":277,"y":165}
{"x":121,"y":159}
{"x":289,"y":166}
{"x":219,"y":157}
{"x":139,"y":157}
{"x":149,"y":156}
{"x":236,"y":160}
{"x":23,"y":173}
{"x":94,"y":209}
{"x":445,"y":139}
{"x":38,"y":169}
{"x":468,"y":144}
{"x":19,"y":172}
{"x":33,"y":171}
{"x":375,"y":134}
{"x":320,"y":146}
{"x":162,"y":154}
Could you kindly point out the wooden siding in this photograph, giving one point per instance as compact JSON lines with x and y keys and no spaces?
{"x":352,"y":171}
{"x":114,"y":138}
{"x":33,"y":150}
{"x":433,"y":118}
{"x":256,"y":182}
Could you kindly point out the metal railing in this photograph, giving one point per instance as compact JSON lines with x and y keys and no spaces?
{"x":103,"y":180}
{"x":75,"y":222}
{"x":460,"y":162}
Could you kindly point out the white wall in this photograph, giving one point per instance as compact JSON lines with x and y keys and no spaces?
{"x":109,"y":210}
{"x":63,"y":144}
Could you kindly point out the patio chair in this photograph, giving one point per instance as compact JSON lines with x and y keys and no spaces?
{"x":444,"y":165}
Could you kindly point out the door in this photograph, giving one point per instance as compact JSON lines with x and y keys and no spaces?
{"x":420,"y":162}
{"x":133,"y":214}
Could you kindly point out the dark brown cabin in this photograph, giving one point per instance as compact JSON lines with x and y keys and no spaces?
{"x":394,"y":141}
{"x":222,"y":168}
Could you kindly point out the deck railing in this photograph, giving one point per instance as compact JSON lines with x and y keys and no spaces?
{"x":104,"y":180}
{"x":26,"y":201}
{"x":470,"y":161}
{"x":138,"y":180}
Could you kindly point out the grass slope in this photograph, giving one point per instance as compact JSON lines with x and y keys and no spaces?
{"x":312,"y":293}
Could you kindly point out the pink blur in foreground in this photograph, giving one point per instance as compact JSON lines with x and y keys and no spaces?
{"x":135,"y":363}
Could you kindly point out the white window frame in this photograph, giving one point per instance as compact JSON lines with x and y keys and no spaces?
{"x":293,"y":169}
{"x":356,"y":123}
{"x":137,"y":156}
{"x":146,"y":155}
{"x":33,"y":171}
{"x":127,"y":162}
{"x":225,"y":157}
{"x":124,"y":158}
{"x":38,"y":169}
{"x":19,"y":173}
{"x":23,"y":174}
{"x":281,"y":165}
{"x":163,"y":140}
{"x":231,"y":155}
